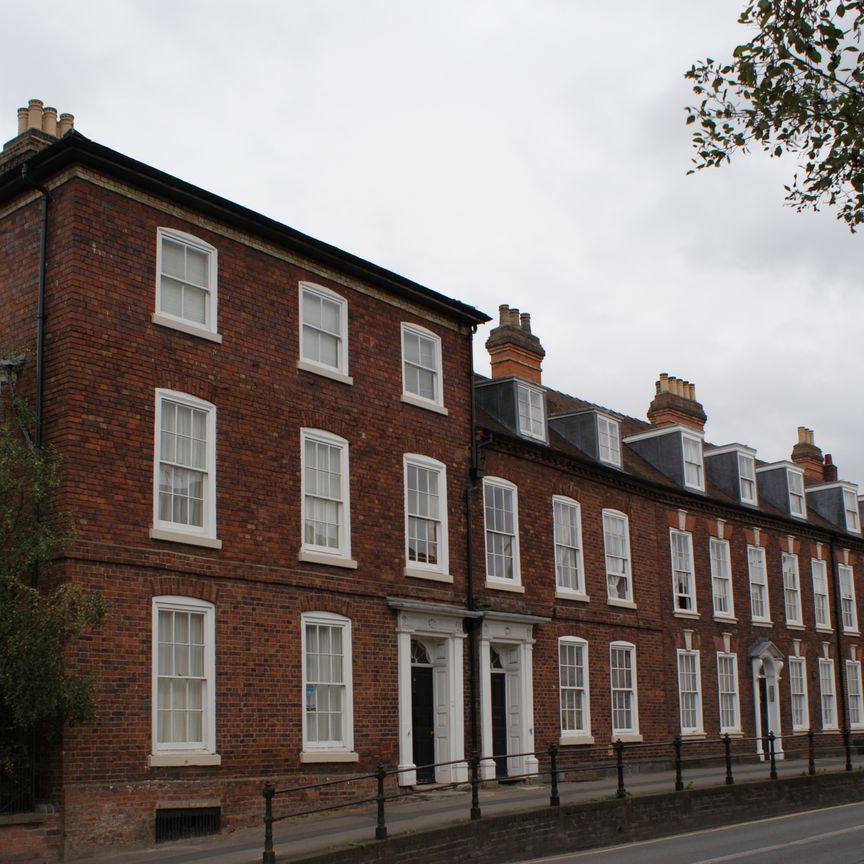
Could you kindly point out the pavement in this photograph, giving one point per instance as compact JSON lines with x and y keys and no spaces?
{"x":300,"y":837}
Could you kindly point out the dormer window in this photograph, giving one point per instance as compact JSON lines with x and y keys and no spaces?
{"x":850,"y":506}
{"x":608,"y":441}
{"x":693,"y":471}
{"x":532,"y":417}
{"x":747,"y":478}
{"x":797,"y":505}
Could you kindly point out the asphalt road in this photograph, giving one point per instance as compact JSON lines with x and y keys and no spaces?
{"x":831,"y":836}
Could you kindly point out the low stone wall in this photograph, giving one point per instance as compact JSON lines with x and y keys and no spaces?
{"x":31,"y":838}
{"x":573,"y":827}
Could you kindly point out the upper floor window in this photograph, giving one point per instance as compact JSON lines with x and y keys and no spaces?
{"x":573,"y":687}
{"x":848,"y":611}
{"x":532,"y":416}
{"x":850,"y":506}
{"x":747,"y":478}
{"x":326,"y":511}
{"x":797,"y":503}
{"x":689,"y":692}
{"x":791,"y":589}
{"x":683,"y":585}
{"x":616,"y":539}
{"x":758,"y":583}
{"x":184,"y":692}
{"x":425,"y":515}
{"x":323,"y":332}
{"x":185,"y":469}
{"x":421,"y":367}
{"x":569,"y":572}
{"x":821,"y":608}
{"x":693,"y":470}
{"x":721,"y":578}
{"x":186,"y":284}
{"x":727,"y":688}
{"x":609,"y":440}
{"x":502,"y":531}
{"x":328,"y":723}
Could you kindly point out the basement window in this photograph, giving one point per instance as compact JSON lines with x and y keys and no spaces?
{"x":182,"y":822}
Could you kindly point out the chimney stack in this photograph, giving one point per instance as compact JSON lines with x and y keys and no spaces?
{"x":38,"y":128}
{"x":675,"y":403}
{"x":808,"y":456}
{"x":829,"y":471}
{"x":513,"y":349}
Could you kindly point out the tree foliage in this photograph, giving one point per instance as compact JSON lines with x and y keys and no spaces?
{"x":796,"y":87}
{"x":38,"y":694}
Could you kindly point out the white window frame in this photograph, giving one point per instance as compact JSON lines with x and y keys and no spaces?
{"x":690,"y":692}
{"x":203,"y":752}
{"x":758,"y":586}
{"x":339,"y":555}
{"x":827,"y":694}
{"x":631,"y":732}
{"x":575,"y":734}
{"x":436,"y":402}
{"x":625,"y":571}
{"x":819,"y":575}
{"x":848,"y":605}
{"x":341,"y":750}
{"x":721,"y":578}
{"x":850,"y":508}
{"x":532,"y":423}
{"x":797,"y":498}
{"x":181,"y":532}
{"x":207,"y":329}
{"x":510,"y":491}
{"x":731,"y":695}
{"x":853,"y":694}
{"x":608,"y":440}
{"x":563,"y":586}
{"x":683,"y":577}
{"x":747,"y":488}
{"x":439,"y":570}
{"x":694,"y":469}
{"x":798,"y":694}
{"x":791,"y":589}
{"x":339,"y":370}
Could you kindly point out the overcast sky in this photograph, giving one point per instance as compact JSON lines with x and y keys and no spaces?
{"x":530,"y":153}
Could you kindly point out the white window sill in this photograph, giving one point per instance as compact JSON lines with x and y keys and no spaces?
{"x":762,"y":623}
{"x":795,"y":626}
{"x":418,"y":573}
{"x":186,"y":327}
{"x":624,"y":604}
{"x":692,"y":736}
{"x":799,"y":729}
{"x":732,"y":733}
{"x":322,"y":756}
{"x":563,"y":594}
{"x":185,"y":537}
{"x":505,"y":586}
{"x":726,"y":619}
{"x":822,"y":628}
{"x":855,"y":632}
{"x":311,"y":557}
{"x":324,"y":372}
{"x":626,"y":737}
{"x":686,"y":613}
{"x":420,"y":402}
{"x":830,"y":728}
{"x":567,"y":740}
{"x":181,"y":759}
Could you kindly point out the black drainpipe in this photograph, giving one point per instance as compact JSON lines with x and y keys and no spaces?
{"x":40,"y":326}
{"x":470,"y":601}
{"x":838,"y":630}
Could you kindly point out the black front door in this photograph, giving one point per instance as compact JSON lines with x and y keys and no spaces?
{"x":499,"y":722}
{"x":423,"y":722}
{"x":763,"y":712}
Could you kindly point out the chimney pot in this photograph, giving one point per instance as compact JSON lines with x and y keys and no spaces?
{"x":34,"y":114}
{"x":23,"y":114}
{"x":66,"y":124}
{"x":49,"y":121}
{"x":525,"y":320}
{"x":675,"y":403}
{"x":513,"y":349}
{"x":503,"y":315}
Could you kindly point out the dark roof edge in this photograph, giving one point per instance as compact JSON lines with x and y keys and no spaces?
{"x":74,"y":147}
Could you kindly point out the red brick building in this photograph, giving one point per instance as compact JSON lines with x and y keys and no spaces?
{"x":326,"y":544}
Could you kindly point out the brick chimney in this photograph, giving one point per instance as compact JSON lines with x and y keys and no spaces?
{"x":829,"y":472}
{"x":513,"y":349}
{"x":38,"y":128}
{"x":808,"y":456}
{"x":675,"y":402}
